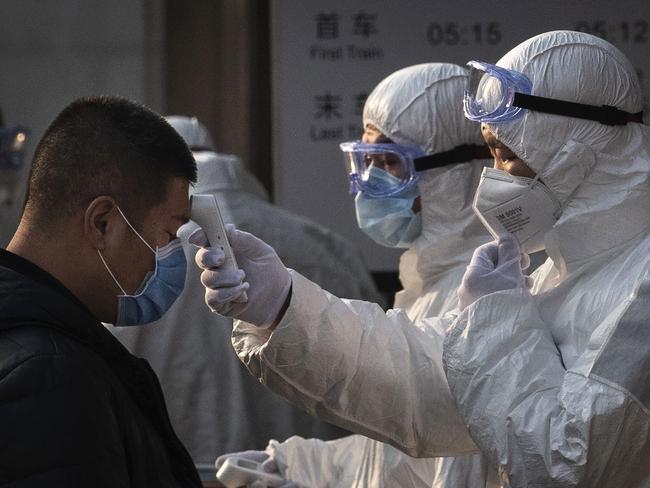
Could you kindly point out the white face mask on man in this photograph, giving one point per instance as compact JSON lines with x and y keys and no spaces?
{"x":523,"y":207}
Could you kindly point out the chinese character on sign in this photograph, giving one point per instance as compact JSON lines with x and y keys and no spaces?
{"x":359,"y":102}
{"x":328,"y":106}
{"x":364,"y":24}
{"x":327,"y":25}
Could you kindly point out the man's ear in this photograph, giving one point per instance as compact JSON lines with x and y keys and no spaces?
{"x":98,"y":219}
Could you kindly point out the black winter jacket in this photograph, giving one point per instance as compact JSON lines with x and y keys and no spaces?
{"x":76,"y":408}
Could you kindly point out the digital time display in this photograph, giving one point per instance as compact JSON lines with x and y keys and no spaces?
{"x":628,"y":31}
{"x":453,"y":34}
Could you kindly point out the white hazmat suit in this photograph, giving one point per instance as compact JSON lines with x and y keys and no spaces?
{"x":214,"y":404}
{"x":418,"y":106}
{"x":555,"y":385}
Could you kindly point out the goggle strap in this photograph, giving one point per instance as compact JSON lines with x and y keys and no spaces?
{"x":604,"y":114}
{"x":459,"y":154}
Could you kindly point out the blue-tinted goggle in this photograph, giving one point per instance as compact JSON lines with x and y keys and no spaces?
{"x":495,"y":94}
{"x":403,"y":163}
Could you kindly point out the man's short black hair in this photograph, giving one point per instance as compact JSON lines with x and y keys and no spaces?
{"x":105,"y":145}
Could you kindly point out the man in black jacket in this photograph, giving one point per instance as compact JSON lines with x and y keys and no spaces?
{"x":96,"y":243}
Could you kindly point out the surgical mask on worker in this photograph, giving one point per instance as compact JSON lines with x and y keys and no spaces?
{"x":389,"y":221}
{"x":523,"y":207}
{"x":159,"y":289}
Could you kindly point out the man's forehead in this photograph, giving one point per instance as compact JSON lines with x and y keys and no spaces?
{"x":177,"y":201}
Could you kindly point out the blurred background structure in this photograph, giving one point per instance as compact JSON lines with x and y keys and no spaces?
{"x":277,"y":82}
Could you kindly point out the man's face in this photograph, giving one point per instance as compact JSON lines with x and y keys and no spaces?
{"x":504,"y":158}
{"x":159,"y":228}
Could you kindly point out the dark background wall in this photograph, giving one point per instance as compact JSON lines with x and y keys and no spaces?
{"x":217,"y":67}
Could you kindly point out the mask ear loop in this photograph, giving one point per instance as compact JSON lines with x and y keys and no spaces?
{"x":133,"y":229}
{"x":560,"y":207}
{"x":137,"y":234}
{"x":534,"y":181}
{"x":110,"y":272}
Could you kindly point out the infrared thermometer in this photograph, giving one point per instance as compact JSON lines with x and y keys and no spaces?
{"x":206,"y":213}
{"x":238,"y":471}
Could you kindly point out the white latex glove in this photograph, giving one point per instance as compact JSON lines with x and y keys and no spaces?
{"x":267,"y":284}
{"x":268,"y":465}
{"x":495,"y":266}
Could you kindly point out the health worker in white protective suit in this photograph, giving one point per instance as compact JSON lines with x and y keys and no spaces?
{"x":216,"y":406}
{"x":555,"y":385}
{"x":416,"y":109}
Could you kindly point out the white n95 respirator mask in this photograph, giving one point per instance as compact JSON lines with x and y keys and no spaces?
{"x":523,"y":207}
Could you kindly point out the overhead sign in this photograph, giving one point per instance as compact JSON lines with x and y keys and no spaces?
{"x":329,"y":55}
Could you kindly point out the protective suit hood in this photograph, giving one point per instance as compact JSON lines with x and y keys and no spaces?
{"x":224,"y":172}
{"x":575,"y":158}
{"x":421,"y":105}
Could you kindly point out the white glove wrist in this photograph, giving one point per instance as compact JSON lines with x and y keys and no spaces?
{"x":262,"y":275}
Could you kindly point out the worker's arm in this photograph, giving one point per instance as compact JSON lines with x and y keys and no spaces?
{"x":543,"y":424}
{"x":348,"y":362}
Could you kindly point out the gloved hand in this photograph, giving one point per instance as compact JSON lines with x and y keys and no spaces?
{"x":268,"y":282}
{"x":268,"y":465}
{"x":495,"y":266}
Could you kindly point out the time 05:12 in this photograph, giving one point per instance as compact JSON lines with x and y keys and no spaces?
{"x":633,"y":31}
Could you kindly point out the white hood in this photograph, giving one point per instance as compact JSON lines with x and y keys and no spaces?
{"x":422,"y":105}
{"x":578,"y":158}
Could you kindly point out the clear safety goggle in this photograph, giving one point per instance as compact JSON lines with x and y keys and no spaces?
{"x":12,"y":146}
{"x":496,"y":94}
{"x":403,"y":163}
